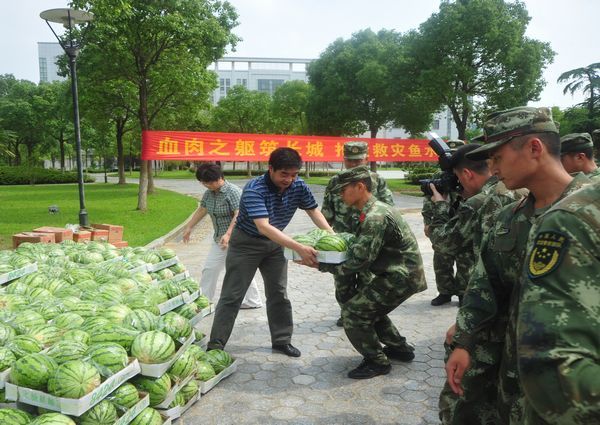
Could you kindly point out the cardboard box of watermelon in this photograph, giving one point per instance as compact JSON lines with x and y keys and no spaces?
{"x":330,"y":248}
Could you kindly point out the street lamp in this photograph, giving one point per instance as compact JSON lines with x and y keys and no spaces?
{"x":68,"y":18}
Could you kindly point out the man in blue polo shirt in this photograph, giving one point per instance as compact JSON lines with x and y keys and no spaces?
{"x":267,"y":205}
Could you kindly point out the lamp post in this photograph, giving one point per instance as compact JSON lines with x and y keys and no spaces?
{"x":68,"y":18}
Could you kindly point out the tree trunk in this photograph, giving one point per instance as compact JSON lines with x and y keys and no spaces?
{"x":373,"y":136}
{"x":248,"y":169}
{"x":120,"y":126}
{"x":307,"y":175}
{"x":143,"y":117}
{"x":150,"y":178}
{"x":61,"y":144}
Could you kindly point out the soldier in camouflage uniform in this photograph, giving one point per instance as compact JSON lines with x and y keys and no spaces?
{"x":387,"y":248}
{"x":558,"y":328}
{"x":577,"y":154}
{"x":343,"y":218}
{"x":524,"y":146}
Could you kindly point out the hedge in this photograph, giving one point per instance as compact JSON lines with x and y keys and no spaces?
{"x":25,"y":175}
{"x":420,"y":173}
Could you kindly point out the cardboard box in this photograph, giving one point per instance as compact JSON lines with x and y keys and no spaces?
{"x":60,"y":234}
{"x":177,"y":411}
{"x":115,"y":232}
{"x":100,"y":235}
{"x":156,"y":370}
{"x":7,"y":277}
{"x":173,"y":392}
{"x":202,"y":314}
{"x":82,"y":235}
{"x":331,"y":257}
{"x":163,"y":264}
{"x":32,"y":237}
{"x":211,"y":383}
{"x":119,"y":244}
{"x":135,"y":410}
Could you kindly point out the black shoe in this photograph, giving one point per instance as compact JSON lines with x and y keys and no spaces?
{"x":460,"y":300}
{"x":441,"y":300}
{"x":287,"y":349}
{"x":396,"y":354}
{"x":368,"y":369}
{"x":340,"y":322}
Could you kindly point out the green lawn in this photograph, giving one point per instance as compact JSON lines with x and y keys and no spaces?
{"x":176,"y":175}
{"x":396,"y":185}
{"x":23,"y":208}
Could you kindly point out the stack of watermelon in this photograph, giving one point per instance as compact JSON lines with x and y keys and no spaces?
{"x":322,"y":240}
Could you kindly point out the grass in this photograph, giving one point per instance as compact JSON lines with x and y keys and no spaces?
{"x":175,"y":175}
{"x":24,"y":208}
{"x":395,"y":185}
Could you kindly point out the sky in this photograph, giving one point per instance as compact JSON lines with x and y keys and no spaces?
{"x":304,"y":29}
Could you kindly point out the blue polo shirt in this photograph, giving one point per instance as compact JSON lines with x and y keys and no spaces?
{"x":261,"y":199}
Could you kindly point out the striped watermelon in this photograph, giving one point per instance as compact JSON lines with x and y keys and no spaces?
{"x":204,"y":371}
{"x":148,"y":416}
{"x":177,"y":268}
{"x":104,"y":413}
{"x":126,"y":396}
{"x":197,"y":352}
{"x":22,"y":345}
{"x":113,"y":333}
{"x":136,"y":301}
{"x":68,"y":321}
{"x":305,"y":240}
{"x":175,"y":325}
{"x":47,"y":335}
{"x":219,"y":359}
{"x":65,"y":350}
{"x":183,"y":367}
{"x":165,"y":274}
{"x":189,"y":390}
{"x":74,"y":379}
{"x":157,"y":388}
{"x":110,"y":295}
{"x":189,"y":285}
{"x":28,"y":319}
{"x":166,"y":253}
{"x":7,"y":358}
{"x":142,"y":320}
{"x":92,"y":324}
{"x":6,"y":333}
{"x":52,"y":419}
{"x":187,"y":310}
{"x":117,"y":313}
{"x":156,"y":295}
{"x":179,"y":400}
{"x":38,"y":293}
{"x":77,"y":335}
{"x":153,"y":347}
{"x":108,"y":358}
{"x":33,"y":371}
{"x":14,"y":417}
{"x":85,"y":309}
{"x":50,"y":310}
{"x":331,"y":243}
{"x":126,"y":284}
{"x":202,"y":302}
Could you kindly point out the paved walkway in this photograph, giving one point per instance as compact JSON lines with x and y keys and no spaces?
{"x":271,"y":388}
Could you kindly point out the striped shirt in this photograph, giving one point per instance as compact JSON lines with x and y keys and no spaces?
{"x":262,"y":199}
{"x":221,"y":206}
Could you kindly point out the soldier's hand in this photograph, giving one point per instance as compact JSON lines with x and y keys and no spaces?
{"x":437,"y":196}
{"x":450,"y":334}
{"x":457,"y":365}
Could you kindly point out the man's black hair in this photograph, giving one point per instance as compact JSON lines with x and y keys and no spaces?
{"x":460,"y":161}
{"x":285,"y":158}
{"x":367,"y":182}
{"x":209,"y":173}
{"x":550,"y":139}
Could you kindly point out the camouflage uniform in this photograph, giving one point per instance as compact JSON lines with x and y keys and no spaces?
{"x":387,"y":248}
{"x":343,"y":218}
{"x":575,"y":143}
{"x":559,"y":314}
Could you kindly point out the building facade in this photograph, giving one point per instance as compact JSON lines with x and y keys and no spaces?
{"x":48,"y":54}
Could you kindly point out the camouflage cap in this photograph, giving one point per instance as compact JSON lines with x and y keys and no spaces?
{"x":503,"y":126}
{"x":355,"y":150}
{"x":352,"y":175}
{"x":575,"y":142}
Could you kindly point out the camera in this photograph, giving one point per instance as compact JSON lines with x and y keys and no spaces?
{"x":447,"y":182}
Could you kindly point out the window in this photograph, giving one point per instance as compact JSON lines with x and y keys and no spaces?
{"x":269,"y":86}
{"x":43,"y":70}
{"x":435,"y":125}
{"x":241,"y":82}
{"x":224,"y":85}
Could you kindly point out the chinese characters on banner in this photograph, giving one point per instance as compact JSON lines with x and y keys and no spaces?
{"x":196,"y":146}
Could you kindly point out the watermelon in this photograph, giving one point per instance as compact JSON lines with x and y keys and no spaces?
{"x":175,"y":325}
{"x":68,"y":321}
{"x":77,"y":335}
{"x":126,"y":284}
{"x":33,"y":371}
{"x":93,"y":324}
{"x":187,"y":310}
{"x":165,"y":274}
{"x":39,"y":293}
{"x":156,"y":295}
{"x":189,"y":285}
{"x":85,"y":309}
{"x":166,"y":253}
{"x":153,"y":347}
{"x":22,"y":345}
{"x":109,"y":295}
{"x":202,"y":302}
{"x":117,"y":313}
{"x":141,"y":277}
{"x":109,"y":358}
{"x":183,"y":367}
{"x":52,"y":419}
{"x":114,"y":333}
{"x":151,"y":257}
{"x":219,"y":359}
{"x":197,"y":352}
{"x":125,"y":397}
{"x":141,"y":319}
{"x":348,"y":237}
{"x":14,"y":417}
{"x":317,"y":234}
{"x":50,"y":310}
{"x":331,"y":243}
{"x":136,"y":300}
{"x":28,"y":319}
{"x":104,"y":413}
{"x":66,"y":350}
{"x":157,"y":388}
{"x":6,"y":333}
{"x":12,"y":302}
{"x":179,"y":400}
{"x":305,"y":240}
{"x":7,"y":358}
{"x":148,"y":416}
{"x":204,"y":371}
{"x":47,"y":335}
{"x":74,"y":379}
{"x":177,"y":268}
{"x":189,"y":390}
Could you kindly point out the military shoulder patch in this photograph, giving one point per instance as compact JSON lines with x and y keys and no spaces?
{"x":547,"y":253}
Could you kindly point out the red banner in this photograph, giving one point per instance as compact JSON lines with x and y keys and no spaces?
{"x":197,"y":146}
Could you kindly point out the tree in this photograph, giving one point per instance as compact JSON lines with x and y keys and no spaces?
{"x":586,"y":80}
{"x":242,"y":111}
{"x":477,"y":50}
{"x":163,"y":49}
{"x":54,"y":106}
{"x":290,"y":102}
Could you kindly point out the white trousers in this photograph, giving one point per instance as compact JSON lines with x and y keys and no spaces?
{"x":213,"y":266}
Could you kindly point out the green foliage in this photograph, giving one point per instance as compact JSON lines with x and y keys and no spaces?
{"x":477,"y":49}
{"x":26,"y":175}
{"x":288,"y":109}
{"x":419,"y":173}
{"x":243,"y":111}
{"x":586,"y":80}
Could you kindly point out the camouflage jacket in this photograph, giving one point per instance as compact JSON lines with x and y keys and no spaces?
{"x":558,"y":328}
{"x":474,"y":217}
{"x":427,"y":211}
{"x":386,"y":247}
{"x":343,"y":218}
{"x":594,"y":175}
{"x":487,"y":301}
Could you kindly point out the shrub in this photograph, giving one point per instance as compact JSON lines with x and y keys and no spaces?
{"x":420,"y":173}
{"x":25,"y":175}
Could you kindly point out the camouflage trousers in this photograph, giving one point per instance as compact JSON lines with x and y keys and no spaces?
{"x":447,"y":281}
{"x":345,"y":287}
{"x":478,"y":405}
{"x":367,"y":324}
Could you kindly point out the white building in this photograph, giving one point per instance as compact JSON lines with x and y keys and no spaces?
{"x":48,"y":54}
